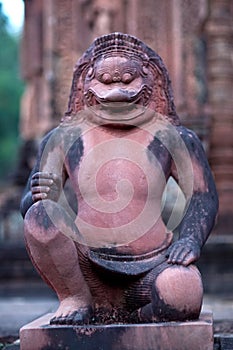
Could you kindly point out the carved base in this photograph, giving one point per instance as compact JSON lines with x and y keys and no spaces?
{"x":195,"y":335}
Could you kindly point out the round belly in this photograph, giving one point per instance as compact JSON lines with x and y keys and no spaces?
{"x":119,"y":200}
{"x":117,"y":216}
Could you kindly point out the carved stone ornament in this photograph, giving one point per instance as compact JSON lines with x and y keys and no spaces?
{"x":94,"y":201}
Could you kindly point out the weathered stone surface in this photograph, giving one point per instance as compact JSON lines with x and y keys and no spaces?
{"x":220,"y":81}
{"x":223,"y":342}
{"x":66,"y":28}
{"x":186,"y":34}
{"x":120,"y":89}
{"x":216,"y":265}
{"x":196,"y":335}
{"x":32,"y":44}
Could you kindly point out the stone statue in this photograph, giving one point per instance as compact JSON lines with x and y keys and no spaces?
{"x":110,"y":257}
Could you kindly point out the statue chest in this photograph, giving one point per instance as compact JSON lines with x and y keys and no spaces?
{"x":119,"y":186}
{"x":114,"y":165}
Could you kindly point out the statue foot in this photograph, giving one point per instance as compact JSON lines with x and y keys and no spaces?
{"x":78,"y":317}
{"x":72,"y":311}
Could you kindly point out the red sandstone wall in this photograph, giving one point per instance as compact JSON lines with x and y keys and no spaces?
{"x":193,"y":38}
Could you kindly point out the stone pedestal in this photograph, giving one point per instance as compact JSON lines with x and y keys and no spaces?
{"x":195,"y":335}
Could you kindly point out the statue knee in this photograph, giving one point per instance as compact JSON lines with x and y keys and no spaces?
{"x":38,"y":224}
{"x":177,"y":294}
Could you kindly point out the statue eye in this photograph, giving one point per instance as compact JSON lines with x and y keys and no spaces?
{"x":127,"y":78}
{"x":145,"y":70}
{"x":90,"y":72}
{"x":106,"y":78}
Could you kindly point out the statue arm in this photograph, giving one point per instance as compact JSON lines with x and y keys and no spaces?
{"x":45,"y":181}
{"x":202,"y":206}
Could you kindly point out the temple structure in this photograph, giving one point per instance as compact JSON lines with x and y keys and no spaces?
{"x":193,"y":38}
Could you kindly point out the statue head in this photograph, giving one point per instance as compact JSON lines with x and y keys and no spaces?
{"x":120,"y":75}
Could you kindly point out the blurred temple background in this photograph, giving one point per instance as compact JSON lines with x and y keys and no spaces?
{"x":194,"y":38}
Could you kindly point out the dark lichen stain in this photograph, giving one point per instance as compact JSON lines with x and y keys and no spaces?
{"x":157,"y":151}
{"x":75,"y":151}
{"x":165,"y":312}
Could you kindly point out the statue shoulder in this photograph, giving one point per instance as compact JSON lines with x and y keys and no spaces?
{"x":60,"y":138}
{"x":190,"y":139}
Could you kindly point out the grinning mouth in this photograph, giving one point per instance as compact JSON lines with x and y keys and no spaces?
{"x":118,"y":106}
{"x":119,"y":101}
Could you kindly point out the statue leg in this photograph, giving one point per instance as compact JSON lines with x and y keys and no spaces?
{"x":176,"y":295}
{"x":55,"y":256}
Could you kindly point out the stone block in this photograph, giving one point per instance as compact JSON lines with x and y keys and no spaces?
{"x":223,"y":342}
{"x":190,"y":335}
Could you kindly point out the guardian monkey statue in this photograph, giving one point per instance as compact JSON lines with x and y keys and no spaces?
{"x":114,"y":259}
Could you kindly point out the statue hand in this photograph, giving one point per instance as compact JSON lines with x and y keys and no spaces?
{"x":45,"y":186}
{"x":183,"y":252}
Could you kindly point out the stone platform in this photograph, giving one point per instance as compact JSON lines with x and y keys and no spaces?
{"x":193,"y":335}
